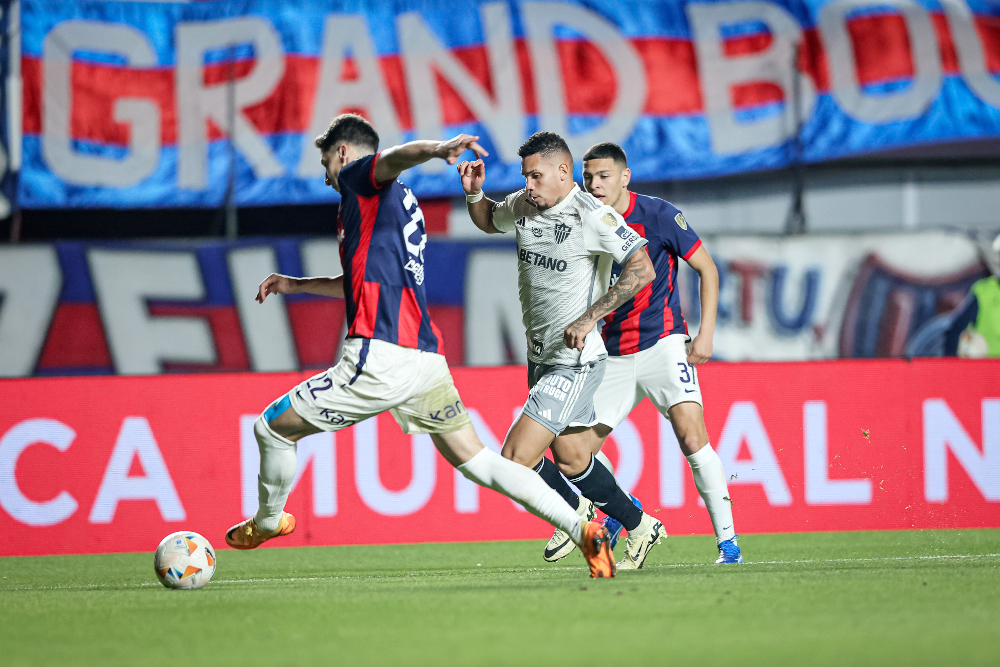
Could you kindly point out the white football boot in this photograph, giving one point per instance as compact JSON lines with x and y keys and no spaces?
{"x":647,"y":534}
{"x":561,"y":545}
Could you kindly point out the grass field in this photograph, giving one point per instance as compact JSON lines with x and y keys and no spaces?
{"x":907,"y":598}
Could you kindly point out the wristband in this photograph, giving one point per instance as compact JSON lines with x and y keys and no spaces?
{"x":472,"y":199}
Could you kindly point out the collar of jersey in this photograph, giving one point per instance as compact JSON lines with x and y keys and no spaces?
{"x":561,"y":206}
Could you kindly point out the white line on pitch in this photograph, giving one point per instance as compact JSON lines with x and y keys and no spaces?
{"x":530,"y":569}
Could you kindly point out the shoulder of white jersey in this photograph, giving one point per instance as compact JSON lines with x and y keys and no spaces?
{"x":586,"y":202}
{"x":519,"y":204}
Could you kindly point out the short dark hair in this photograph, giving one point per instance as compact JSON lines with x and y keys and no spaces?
{"x":348,"y":128}
{"x":544,"y":144}
{"x":606,"y":150}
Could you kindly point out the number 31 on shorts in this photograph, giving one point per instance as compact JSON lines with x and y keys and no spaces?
{"x":688,"y":374}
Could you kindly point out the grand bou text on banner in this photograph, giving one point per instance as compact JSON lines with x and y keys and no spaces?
{"x":133,"y":104}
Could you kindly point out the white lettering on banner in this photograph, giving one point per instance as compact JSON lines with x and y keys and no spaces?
{"x":124,"y":281}
{"x":539,"y":19}
{"x":881,"y":108}
{"x":30,"y":280}
{"x":628,"y":467}
{"x":820,"y":489}
{"x":719,"y":73}
{"x":423,"y":55}
{"x":135,"y":440}
{"x":369,"y":482}
{"x":492,"y":310}
{"x":743,"y":424}
{"x":143,"y":115}
{"x":467,"y":491}
{"x":15,"y":503}
{"x":969,"y":46}
{"x":266,"y":329}
{"x":319,"y":449}
{"x":943,"y":432}
{"x":198,"y":103}
{"x":345,"y":35}
{"x":671,"y":466}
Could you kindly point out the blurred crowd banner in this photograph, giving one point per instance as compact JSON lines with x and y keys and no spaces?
{"x":133,"y":104}
{"x":141,"y":308}
{"x":854,"y":445}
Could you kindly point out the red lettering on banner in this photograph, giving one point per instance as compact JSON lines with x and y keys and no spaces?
{"x":931,"y":458}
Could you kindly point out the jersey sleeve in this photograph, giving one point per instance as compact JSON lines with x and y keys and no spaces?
{"x":676,"y":234}
{"x":507,"y":212}
{"x":606,"y":232}
{"x":359,"y":177}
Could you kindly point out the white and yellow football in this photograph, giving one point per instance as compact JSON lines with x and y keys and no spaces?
{"x":184,"y":560}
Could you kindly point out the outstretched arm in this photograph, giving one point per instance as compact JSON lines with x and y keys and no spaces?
{"x":394,"y":161}
{"x":636,"y":274}
{"x":701,"y":346}
{"x":280,"y":284}
{"x":473,"y":175}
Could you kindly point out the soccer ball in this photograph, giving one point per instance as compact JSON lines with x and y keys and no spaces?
{"x":184,"y":560}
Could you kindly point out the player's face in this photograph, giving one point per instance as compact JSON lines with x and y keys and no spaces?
{"x":605,"y":180}
{"x":545,"y":179}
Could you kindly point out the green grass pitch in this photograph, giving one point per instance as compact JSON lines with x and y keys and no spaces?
{"x":880,"y":598}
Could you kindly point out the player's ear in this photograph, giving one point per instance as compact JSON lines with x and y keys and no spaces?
{"x":626,"y":177}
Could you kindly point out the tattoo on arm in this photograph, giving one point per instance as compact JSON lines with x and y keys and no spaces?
{"x":628,"y":285}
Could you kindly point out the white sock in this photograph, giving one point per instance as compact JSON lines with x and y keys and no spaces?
{"x":710,"y":479}
{"x":524,"y":486}
{"x":277,"y":472}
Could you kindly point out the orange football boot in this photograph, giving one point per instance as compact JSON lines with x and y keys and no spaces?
{"x":596,"y":549}
{"x":246,"y":535}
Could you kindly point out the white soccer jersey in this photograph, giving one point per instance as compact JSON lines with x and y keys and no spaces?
{"x":564,"y":264}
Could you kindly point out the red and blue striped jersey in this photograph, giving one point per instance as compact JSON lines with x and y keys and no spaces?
{"x":655,"y":311}
{"x":382,"y":239}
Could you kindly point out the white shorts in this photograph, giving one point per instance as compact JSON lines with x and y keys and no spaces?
{"x":660,"y":372}
{"x":372,"y":377}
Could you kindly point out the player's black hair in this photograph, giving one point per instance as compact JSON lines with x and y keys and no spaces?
{"x":348,"y":128}
{"x":544,"y":143}
{"x":606,"y":150}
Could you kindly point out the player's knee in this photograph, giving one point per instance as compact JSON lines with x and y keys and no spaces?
{"x":267,"y":437}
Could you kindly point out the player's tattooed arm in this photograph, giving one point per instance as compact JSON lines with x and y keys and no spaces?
{"x":636,"y":274}
{"x":394,"y":161}
{"x":473,"y":176}
{"x":277,"y":283}
{"x":700,"y":349}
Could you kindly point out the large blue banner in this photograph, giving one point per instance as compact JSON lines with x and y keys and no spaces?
{"x":141,"y":104}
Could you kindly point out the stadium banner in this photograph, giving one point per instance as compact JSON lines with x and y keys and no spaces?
{"x":130,"y":104}
{"x":141,"y":308}
{"x":113,"y":464}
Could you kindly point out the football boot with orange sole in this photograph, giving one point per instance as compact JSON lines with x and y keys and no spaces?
{"x":596,"y":548}
{"x":247,"y":535}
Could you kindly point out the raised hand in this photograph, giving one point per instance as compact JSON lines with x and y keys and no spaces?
{"x":276,"y":284}
{"x":473,"y":175}
{"x":450,"y":150}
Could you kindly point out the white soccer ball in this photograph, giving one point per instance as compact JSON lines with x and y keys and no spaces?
{"x":184,"y":560}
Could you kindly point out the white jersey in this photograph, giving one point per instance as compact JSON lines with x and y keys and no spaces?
{"x":564,"y":262}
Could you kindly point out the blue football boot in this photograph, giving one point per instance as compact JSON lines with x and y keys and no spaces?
{"x":729,"y":551}
{"x":614,"y":527}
